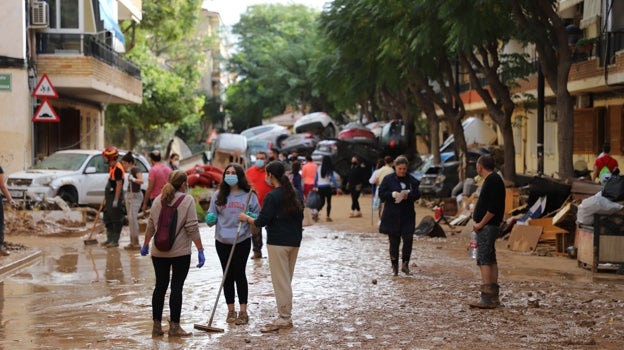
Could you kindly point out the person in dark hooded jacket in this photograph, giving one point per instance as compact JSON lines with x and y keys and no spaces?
{"x":399,"y":191}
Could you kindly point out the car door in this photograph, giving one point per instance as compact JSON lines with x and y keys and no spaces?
{"x":95,"y":175}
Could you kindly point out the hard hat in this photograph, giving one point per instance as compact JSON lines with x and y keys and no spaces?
{"x":110,"y":152}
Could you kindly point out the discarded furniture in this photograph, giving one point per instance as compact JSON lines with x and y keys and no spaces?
{"x":604,"y":244}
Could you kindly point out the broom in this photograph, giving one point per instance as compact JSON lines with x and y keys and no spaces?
{"x":209,"y":328}
{"x":90,"y":240}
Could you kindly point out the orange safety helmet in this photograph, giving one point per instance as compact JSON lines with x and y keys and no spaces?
{"x":110,"y":152}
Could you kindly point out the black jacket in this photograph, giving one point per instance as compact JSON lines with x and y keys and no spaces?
{"x":398,"y":218}
{"x":357,"y":177}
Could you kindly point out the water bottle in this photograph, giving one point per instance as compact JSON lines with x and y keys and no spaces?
{"x":472,"y":247}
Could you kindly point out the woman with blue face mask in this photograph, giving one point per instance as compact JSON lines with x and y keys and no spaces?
{"x":225,"y":206}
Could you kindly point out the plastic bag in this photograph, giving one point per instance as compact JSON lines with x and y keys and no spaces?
{"x":614,"y":188}
{"x":313,"y":201}
{"x":596,"y":204}
{"x":376,"y":202}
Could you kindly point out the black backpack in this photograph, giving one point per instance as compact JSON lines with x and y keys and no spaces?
{"x":167,"y":223}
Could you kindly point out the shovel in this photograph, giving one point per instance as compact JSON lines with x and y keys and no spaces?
{"x":90,"y":240}
{"x":209,"y":327}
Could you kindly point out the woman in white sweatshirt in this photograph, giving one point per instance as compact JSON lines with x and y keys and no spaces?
{"x":225,"y":205}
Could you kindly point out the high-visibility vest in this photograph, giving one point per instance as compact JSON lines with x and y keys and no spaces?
{"x":111,"y":171}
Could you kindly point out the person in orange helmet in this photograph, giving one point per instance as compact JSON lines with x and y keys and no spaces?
{"x":113,"y":196}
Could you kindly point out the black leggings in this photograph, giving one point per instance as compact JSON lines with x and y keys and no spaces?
{"x":162,"y":268}
{"x":325,"y":193}
{"x":355,"y":203}
{"x":395,"y":241}
{"x":236,"y":272}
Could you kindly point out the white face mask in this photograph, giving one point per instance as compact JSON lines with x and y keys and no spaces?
{"x":176,"y":163}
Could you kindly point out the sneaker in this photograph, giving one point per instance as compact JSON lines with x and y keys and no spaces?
{"x":243,"y":318}
{"x":277,"y":324}
{"x":4,"y":252}
{"x":112,"y":245}
{"x":357,"y":214}
{"x":329,"y":219}
{"x":231,"y":316}
{"x":352,"y":215}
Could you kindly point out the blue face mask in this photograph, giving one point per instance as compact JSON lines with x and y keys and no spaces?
{"x":259,"y":163}
{"x":268,"y":182}
{"x":231,"y":179}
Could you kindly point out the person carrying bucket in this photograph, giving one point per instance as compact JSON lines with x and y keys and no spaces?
{"x":231,"y":199}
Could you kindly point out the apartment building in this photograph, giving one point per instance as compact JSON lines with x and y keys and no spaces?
{"x":596,"y":80}
{"x":79,"y":46}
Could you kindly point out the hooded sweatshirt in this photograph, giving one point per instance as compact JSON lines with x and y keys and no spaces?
{"x":227,"y":216}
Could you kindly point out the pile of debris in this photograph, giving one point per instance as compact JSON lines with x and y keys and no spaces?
{"x":549,"y":217}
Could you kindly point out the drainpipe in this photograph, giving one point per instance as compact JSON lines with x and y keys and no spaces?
{"x":540,"y":121}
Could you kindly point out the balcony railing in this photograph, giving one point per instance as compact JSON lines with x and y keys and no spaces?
{"x":85,"y":44}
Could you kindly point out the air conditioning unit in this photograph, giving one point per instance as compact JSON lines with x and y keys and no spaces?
{"x":39,"y":15}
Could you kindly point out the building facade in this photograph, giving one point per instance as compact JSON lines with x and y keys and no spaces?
{"x":596,"y":80}
{"x":79,"y":46}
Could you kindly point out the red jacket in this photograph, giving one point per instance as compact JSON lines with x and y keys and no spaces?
{"x":256,"y":176}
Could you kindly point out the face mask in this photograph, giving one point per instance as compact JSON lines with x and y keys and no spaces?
{"x":259,"y":163}
{"x":268,"y":182}
{"x":231,"y":179}
{"x":176,"y":163}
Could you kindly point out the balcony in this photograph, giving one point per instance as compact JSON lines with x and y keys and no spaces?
{"x":84,"y":66}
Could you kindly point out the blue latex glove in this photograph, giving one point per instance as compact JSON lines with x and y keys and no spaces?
{"x":251,"y":215}
{"x":144,"y":250}
{"x":201,"y":258}
{"x":211,"y":218}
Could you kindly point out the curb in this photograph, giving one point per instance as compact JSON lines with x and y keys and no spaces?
{"x":18,"y":264}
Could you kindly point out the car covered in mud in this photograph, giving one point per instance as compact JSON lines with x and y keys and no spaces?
{"x":77,"y":176}
{"x":317,"y":123}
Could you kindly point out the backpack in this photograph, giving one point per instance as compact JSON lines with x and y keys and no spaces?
{"x":167,"y":223}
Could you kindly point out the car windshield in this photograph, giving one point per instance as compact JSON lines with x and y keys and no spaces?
{"x":62,"y":161}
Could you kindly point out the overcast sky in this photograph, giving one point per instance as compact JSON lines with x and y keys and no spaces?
{"x":231,"y":10}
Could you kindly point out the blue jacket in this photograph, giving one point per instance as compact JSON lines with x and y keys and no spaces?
{"x":398,"y":218}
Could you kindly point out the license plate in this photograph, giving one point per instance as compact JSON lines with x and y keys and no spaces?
{"x":17,"y":194}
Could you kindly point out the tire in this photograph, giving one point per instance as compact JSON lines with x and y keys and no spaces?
{"x":280,"y":141}
{"x":69,"y":195}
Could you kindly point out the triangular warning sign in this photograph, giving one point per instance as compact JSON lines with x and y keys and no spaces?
{"x":45,"y":113}
{"x":45,"y":88}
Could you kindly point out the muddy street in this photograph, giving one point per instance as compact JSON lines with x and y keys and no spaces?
{"x":78,"y":296}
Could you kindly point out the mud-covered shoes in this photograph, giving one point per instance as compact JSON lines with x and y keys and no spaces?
{"x":231,"y":316}
{"x":277,"y":324}
{"x":243,"y":318}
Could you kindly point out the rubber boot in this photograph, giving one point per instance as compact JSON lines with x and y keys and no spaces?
{"x":157,"y":329}
{"x":176,"y":331}
{"x":108,"y":239}
{"x":395,"y":268}
{"x":405,"y":268}
{"x":495,"y":288}
{"x":486,"y":301}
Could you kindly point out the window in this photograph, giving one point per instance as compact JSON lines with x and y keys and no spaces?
{"x":65,"y":15}
{"x":98,"y":162}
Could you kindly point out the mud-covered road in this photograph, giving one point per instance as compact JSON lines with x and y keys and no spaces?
{"x":80,"y":297}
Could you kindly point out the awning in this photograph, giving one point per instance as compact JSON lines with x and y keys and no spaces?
{"x":108,"y":15}
{"x":566,"y":4}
